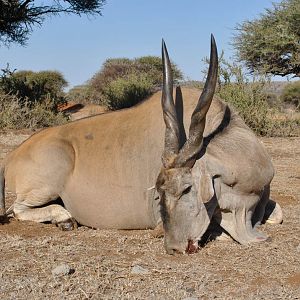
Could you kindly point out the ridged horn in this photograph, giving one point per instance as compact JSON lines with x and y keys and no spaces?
{"x":172,"y":135}
{"x":190,"y":150}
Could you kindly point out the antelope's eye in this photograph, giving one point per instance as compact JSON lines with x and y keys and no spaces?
{"x":187,"y":190}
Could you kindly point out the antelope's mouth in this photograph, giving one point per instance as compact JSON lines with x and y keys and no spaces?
{"x":192,"y":247}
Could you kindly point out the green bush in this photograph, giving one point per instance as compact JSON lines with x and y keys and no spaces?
{"x":152,"y":65}
{"x":17,"y":114}
{"x":248,"y":97}
{"x":291,"y":94}
{"x":126,"y":91}
{"x":34,"y":87}
{"x":135,"y":78}
{"x":250,"y":102}
{"x":80,"y":94}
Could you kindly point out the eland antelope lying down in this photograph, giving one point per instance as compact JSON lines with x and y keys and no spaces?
{"x":107,"y":169}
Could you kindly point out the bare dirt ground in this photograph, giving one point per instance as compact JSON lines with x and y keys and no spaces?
{"x":108,"y":264}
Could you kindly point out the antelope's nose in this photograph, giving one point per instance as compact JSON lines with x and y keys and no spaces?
{"x":173,"y":249}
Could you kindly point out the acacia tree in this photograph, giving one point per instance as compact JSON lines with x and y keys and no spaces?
{"x":18,"y":17}
{"x":272,"y":43}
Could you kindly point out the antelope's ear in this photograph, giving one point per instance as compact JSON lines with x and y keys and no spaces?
{"x":205,"y":186}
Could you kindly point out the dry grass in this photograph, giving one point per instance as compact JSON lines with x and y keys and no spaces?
{"x":17,"y":114}
{"x":103,"y":259}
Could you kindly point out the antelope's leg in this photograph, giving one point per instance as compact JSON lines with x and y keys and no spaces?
{"x":239,"y":225}
{"x":158,"y":231}
{"x":260,"y":208}
{"x":267,"y":210}
{"x":25,"y":209}
{"x":235,"y":217}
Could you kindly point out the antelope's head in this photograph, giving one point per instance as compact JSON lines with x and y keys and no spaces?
{"x":183,"y":213}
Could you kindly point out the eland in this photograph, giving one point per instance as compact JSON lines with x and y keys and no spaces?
{"x":108,"y":171}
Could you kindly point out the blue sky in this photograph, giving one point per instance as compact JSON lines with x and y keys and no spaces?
{"x":77,"y":47}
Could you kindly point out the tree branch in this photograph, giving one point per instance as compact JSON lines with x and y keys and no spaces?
{"x":18,"y":17}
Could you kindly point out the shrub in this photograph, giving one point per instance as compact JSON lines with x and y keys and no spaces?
{"x":16,"y":114}
{"x":81,"y":94}
{"x":126,"y":91}
{"x":135,"y":78}
{"x":34,"y":87}
{"x":152,"y":65}
{"x":249,"y":99}
{"x":250,"y":102}
{"x":291,"y":94}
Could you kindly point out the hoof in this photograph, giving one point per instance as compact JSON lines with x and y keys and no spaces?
{"x":259,"y":238}
{"x":158,"y":231}
{"x":262,"y":239}
{"x":67,"y":225}
{"x":4,"y":219}
{"x":273,"y":213}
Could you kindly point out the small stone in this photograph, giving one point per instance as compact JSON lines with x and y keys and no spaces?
{"x":191,"y":298}
{"x":298,"y":248}
{"x":139,"y":270}
{"x":62,"y":270}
